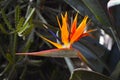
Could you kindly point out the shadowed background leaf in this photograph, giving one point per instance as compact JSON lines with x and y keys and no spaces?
{"x":45,"y":68}
{"x":81,"y":74}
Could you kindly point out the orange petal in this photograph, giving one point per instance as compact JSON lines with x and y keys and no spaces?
{"x":89,"y":31}
{"x":83,"y":35}
{"x":64,"y":30}
{"x":86,"y":34}
{"x":73,"y":26}
{"x":79,"y":31}
{"x":53,"y":43}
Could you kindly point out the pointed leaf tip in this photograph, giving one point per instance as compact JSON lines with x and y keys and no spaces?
{"x":64,"y":52}
{"x":79,"y":31}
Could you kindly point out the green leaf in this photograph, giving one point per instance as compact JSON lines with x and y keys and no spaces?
{"x":27,"y":24}
{"x":6,"y":20}
{"x":6,"y":70}
{"x":78,"y":6}
{"x":93,"y":54}
{"x":86,"y":61}
{"x":98,"y":11}
{"x":28,"y":44}
{"x":81,"y":74}
{"x":17,"y":15}
{"x":20,"y":23}
{"x":28,"y":31}
{"x":19,"y":26}
{"x":22,"y":29}
{"x":9,"y":58}
{"x":29,"y":16}
{"x":116,"y":73}
{"x":53,"y":53}
{"x":3,"y":29}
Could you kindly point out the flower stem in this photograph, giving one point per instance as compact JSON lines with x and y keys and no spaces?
{"x":69,"y":64}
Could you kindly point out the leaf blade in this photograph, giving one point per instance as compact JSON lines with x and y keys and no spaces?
{"x":53,"y":53}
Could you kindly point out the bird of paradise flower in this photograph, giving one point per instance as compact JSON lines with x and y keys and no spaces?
{"x":69,"y":35}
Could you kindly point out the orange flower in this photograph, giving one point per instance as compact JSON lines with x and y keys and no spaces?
{"x":69,"y":34}
{"x":68,"y":37}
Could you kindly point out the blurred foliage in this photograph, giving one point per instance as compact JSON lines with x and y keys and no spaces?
{"x":80,"y":74}
{"x":21,"y":19}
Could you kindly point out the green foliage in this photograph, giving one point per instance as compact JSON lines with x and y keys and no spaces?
{"x":3,"y":29}
{"x":6,"y":20}
{"x":27,"y":25}
{"x":17,"y":15}
{"x":9,"y":58}
{"x":21,"y":25}
{"x":116,"y":73}
{"x":95,"y":7}
{"x":80,"y":74}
